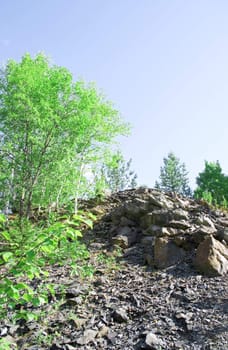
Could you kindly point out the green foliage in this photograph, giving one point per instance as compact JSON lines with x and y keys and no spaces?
{"x":118,"y":175}
{"x":51,"y":130}
{"x":5,"y":344}
{"x":173,"y":176}
{"x":113,"y":174}
{"x":212,"y":185}
{"x":26,"y":251}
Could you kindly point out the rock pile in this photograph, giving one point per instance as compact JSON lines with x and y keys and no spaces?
{"x":171,"y":229}
{"x":160,"y":294}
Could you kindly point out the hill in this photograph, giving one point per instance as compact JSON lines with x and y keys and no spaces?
{"x":160,"y":280}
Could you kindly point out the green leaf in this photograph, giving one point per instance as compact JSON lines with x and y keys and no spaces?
{"x":6,"y":235}
{"x":7,"y":256}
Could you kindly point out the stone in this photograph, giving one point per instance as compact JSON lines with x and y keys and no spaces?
{"x":212,"y":257}
{"x":103,"y":331}
{"x":120,"y":241}
{"x":136,"y":208}
{"x":148,"y":242}
{"x":180,"y":214}
{"x":126,"y":222}
{"x":88,"y":336}
{"x":120,"y":315}
{"x":167,"y":253}
{"x":205,"y":221}
{"x":153,"y":342}
{"x":161,"y":217}
{"x":161,"y":231}
{"x":126,"y":236}
{"x":180,"y":224}
{"x":160,"y":200}
{"x":222,"y":235}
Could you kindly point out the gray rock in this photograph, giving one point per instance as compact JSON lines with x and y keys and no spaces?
{"x":180,"y":224}
{"x":180,"y":214}
{"x":120,"y":315}
{"x":88,"y":336}
{"x":153,"y":342}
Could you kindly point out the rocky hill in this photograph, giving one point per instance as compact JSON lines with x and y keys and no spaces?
{"x":160,"y":281}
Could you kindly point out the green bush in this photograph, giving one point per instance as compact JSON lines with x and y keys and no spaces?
{"x":25,"y":252}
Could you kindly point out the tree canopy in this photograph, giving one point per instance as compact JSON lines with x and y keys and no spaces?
{"x":212,"y":184}
{"x":51,"y":129}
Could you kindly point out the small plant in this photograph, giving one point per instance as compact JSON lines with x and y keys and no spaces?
{"x":6,"y":344}
{"x":109,"y":260}
{"x":28,"y":249}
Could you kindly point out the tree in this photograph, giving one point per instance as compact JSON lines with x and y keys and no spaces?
{"x":117,"y":174}
{"x":173,"y":176}
{"x":212,"y":184}
{"x":50,"y":129}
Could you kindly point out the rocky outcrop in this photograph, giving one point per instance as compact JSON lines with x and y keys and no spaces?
{"x":170,"y":228}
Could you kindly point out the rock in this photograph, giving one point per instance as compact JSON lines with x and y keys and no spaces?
{"x":148,"y":242}
{"x":126,"y":236}
{"x":212,"y":257}
{"x":148,"y":259}
{"x":78,"y":322}
{"x":157,"y":217}
{"x":180,"y":214}
{"x":159,"y":200}
{"x":222,"y":235}
{"x":205,"y":221}
{"x":153,"y":342}
{"x":120,"y":315}
{"x":166,"y":253}
{"x":159,"y":231}
{"x":180,"y":224}
{"x":88,"y":336}
{"x":136,"y":208}
{"x":126,"y":222}
{"x":161,"y":217}
{"x":103,"y":331}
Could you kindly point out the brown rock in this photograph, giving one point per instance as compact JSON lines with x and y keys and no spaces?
{"x":166,"y":253}
{"x":125,"y":238}
{"x":212,"y":257}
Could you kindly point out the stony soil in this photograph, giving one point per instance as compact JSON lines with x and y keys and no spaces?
{"x":127,"y":305}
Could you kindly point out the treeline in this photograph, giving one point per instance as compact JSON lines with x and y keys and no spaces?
{"x":212,"y":183}
{"x":58,"y":143}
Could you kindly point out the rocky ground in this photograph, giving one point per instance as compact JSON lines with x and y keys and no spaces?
{"x":127,"y":304}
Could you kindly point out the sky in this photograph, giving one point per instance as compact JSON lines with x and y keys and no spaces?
{"x":163,"y":63}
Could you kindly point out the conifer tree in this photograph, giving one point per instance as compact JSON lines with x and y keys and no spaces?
{"x":173,"y":176}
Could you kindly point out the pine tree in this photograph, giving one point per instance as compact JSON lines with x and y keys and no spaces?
{"x":174,"y":176}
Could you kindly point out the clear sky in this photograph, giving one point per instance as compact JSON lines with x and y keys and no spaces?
{"x":164,"y":64}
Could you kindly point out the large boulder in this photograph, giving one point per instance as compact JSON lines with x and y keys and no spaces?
{"x":167,"y":253}
{"x":212,"y":257}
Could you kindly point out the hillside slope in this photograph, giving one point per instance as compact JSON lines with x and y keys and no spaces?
{"x":157,"y":284}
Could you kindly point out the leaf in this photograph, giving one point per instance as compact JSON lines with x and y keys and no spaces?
{"x":7,"y":256}
{"x":13,"y":293}
{"x":6,"y":235}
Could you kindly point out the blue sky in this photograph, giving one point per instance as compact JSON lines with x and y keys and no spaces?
{"x":164,"y":64}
